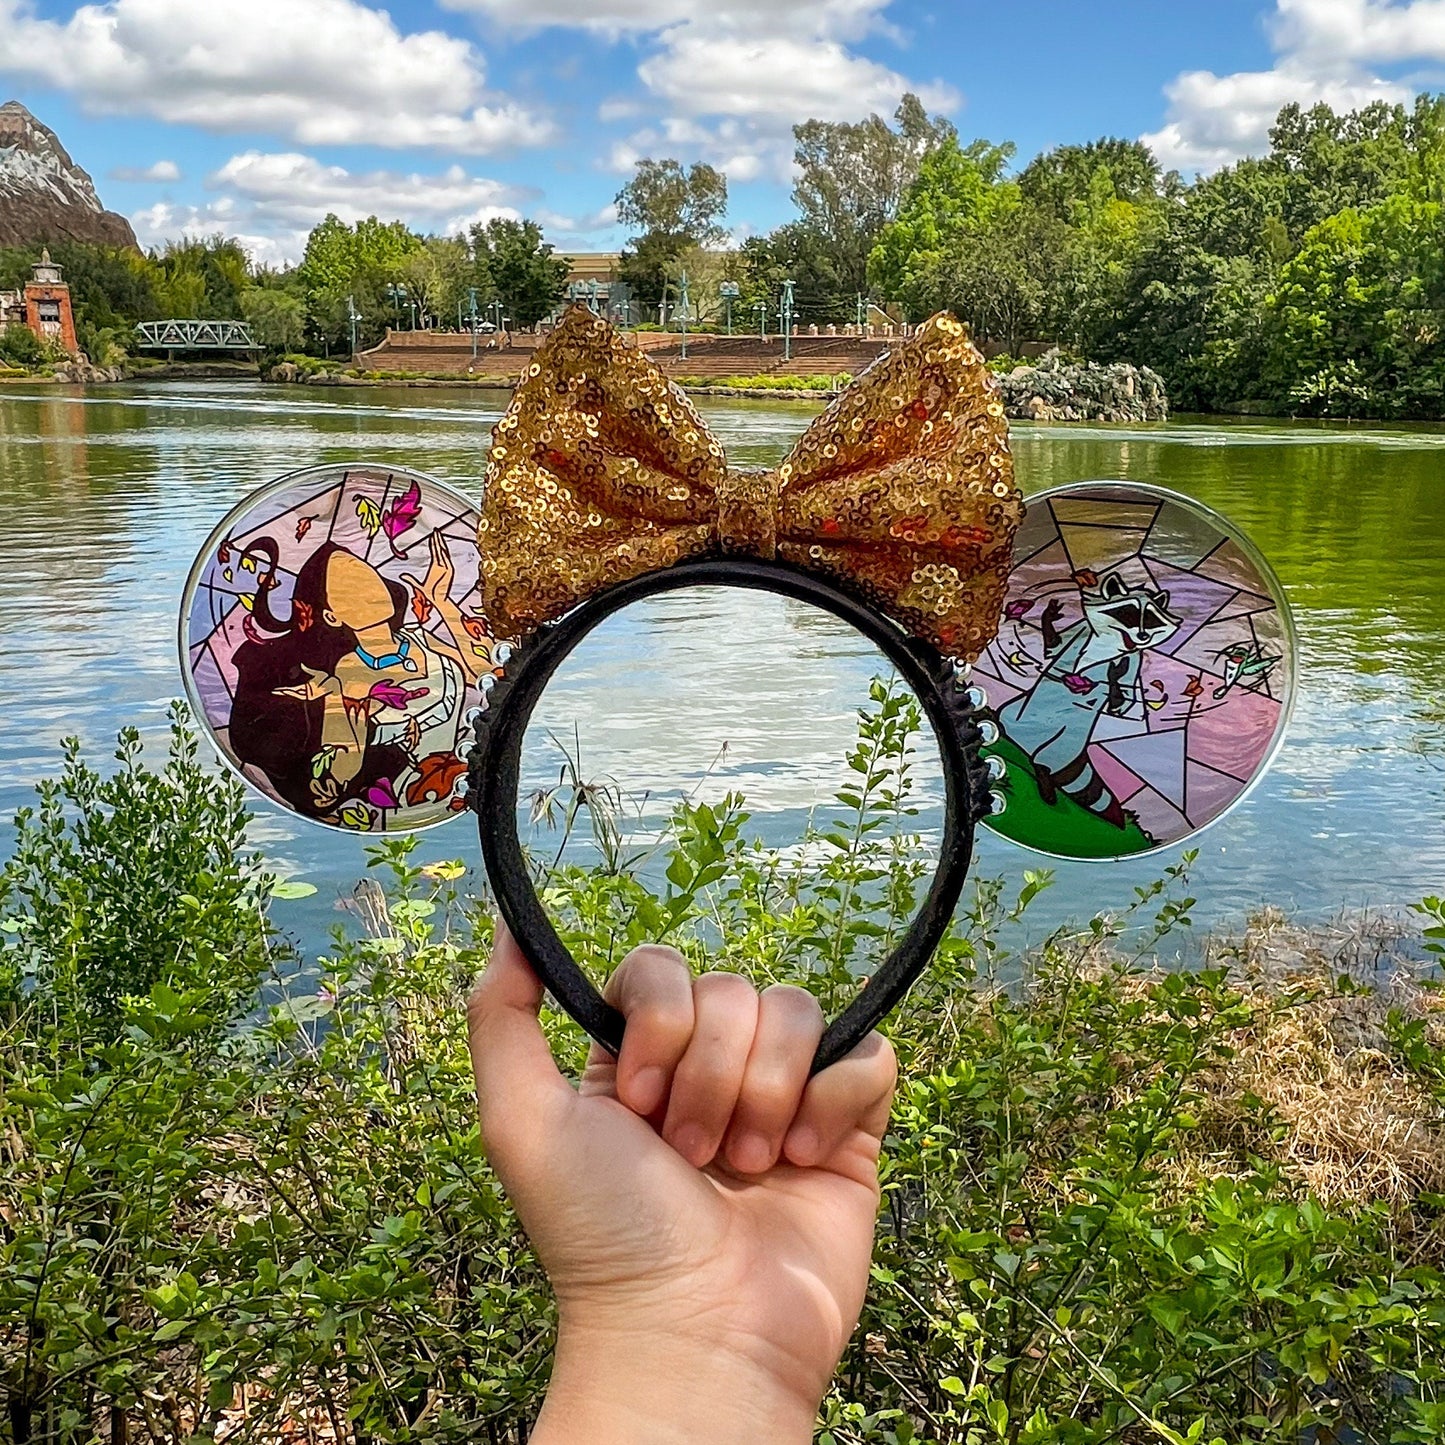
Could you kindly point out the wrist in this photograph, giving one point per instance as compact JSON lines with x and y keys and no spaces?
{"x":619,"y":1385}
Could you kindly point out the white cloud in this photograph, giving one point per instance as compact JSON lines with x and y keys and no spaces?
{"x":270,"y":202}
{"x":299,"y":189}
{"x":1335,"y":33}
{"x":845,"y":18}
{"x":555,"y":224}
{"x":1328,"y":50}
{"x":730,"y":78}
{"x":320,"y":72}
{"x":778,"y":79}
{"x":162,"y":222}
{"x":160,"y":171}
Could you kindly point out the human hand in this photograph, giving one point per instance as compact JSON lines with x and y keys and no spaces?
{"x":703,"y":1209}
{"x":436,"y":586}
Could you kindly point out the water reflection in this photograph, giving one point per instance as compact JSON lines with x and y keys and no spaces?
{"x":113,"y":490}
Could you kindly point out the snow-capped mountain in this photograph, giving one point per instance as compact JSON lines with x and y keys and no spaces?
{"x":44,"y":195}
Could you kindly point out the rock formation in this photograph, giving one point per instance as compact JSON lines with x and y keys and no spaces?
{"x":44,"y":196}
{"x":1053,"y":389}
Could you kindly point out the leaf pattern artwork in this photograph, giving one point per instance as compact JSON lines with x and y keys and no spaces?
{"x":349,"y":741}
{"x":356,"y":815}
{"x":382,"y":794}
{"x":436,"y":778}
{"x":392,"y":694}
{"x":369,"y":515}
{"x":402,"y":516}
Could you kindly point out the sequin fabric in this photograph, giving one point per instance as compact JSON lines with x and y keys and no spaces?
{"x":902,"y":490}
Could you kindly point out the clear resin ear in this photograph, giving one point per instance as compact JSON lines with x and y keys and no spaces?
{"x":1143,"y":673}
{"x":332,"y":645}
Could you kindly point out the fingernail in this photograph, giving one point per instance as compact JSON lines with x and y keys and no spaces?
{"x":751,"y":1154}
{"x":804,"y":1146}
{"x":645,"y":1091}
{"x":692,"y":1144}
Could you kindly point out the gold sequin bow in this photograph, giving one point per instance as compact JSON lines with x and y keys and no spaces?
{"x":902,"y":489}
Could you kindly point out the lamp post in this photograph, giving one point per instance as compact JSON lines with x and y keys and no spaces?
{"x":682,"y":308}
{"x":760,"y":310}
{"x":396,"y":294}
{"x":860,"y":313}
{"x":472,"y":302}
{"x":729,"y":291}
{"x":786,"y":316}
{"x":352,"y":316}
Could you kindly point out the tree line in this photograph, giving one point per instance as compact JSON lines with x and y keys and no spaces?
{"x":1308,"y":280}
{"x":352,"y":279}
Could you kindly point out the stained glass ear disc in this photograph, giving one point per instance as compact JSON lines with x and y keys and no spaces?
{"x":1143,"y":673}
{"x":332,"y":646}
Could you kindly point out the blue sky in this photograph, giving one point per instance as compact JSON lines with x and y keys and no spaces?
{"x":258,"y":116}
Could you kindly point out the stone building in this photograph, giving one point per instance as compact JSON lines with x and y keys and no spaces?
{"x":43,"y":305}
{"x":594,"y":278}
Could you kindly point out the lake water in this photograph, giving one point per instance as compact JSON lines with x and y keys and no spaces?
{"x":109,"y":493}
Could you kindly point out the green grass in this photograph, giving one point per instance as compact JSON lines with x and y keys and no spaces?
{"x":1070,"y":829}
{"x":771,"y":382}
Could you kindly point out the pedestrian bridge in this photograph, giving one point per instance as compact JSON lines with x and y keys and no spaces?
{"x":196,"y":336}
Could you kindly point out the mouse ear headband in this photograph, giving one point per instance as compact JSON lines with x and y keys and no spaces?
{"x":896,"y":512}
{"x":1104,"y":680}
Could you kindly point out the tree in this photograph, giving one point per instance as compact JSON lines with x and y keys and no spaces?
{"x":528,"y":279}
{"x":201,"y":278}
{"x":1002,"y":280}
{"x":1332,"y":162}
{"x":277,"y":318}
{"x":436,"y":277}
{"x":1364,"y":302}
{"x":673,"y":211}
{"x":1105,"y":238}
{"x":954,"y":197}
{"x":1056,"y":180}
{"x":346,"y":266}
{"x":852,"y":178}
{"x":646,"y":268}
{"x":338,"y":255}
{"x":795,"y":252}
{"x":663,"y":199}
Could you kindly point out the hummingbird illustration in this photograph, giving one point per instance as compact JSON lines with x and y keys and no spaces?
{"x":1243,"y":660}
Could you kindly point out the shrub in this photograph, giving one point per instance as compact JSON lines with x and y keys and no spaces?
{"x":1094,"y":1225}
{"x":20,"y":345}
{"x":117,"y":884}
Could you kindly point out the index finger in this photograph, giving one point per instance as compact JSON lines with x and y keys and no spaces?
{"x":652,"y":987}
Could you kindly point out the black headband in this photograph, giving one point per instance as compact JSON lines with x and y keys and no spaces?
{"x":941,"y":686}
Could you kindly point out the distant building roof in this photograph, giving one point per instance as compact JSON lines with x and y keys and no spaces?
{"x":593,"y":266}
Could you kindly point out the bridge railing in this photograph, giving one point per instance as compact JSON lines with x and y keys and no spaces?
{"x":190,"y":335}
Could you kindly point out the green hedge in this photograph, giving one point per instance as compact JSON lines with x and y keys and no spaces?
{"x":1097,"y":1225}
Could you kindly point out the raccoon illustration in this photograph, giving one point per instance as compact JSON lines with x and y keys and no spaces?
{"x":1090,"y":669}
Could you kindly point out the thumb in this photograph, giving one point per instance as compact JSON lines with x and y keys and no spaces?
{"x":520,"y":1091}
